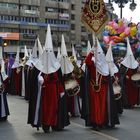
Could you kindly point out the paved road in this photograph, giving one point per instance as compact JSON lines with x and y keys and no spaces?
{"x":16,"y":127}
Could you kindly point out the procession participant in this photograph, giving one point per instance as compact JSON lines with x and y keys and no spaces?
{"x":9,"y":61}
{"x":16,"y":76}
{"x":53,"y":100}
{"x":121,"y":80}
{"x":87,"y":52}
{"x":77,"y":73}
{"x":24,"y":71}
{"x":131,"y":92}
{"x":29,"y":66}
{"x":94,"y":97}
{"x":35,"y":82}
{"x":67,"y":69}
{"x":114,"y":94}
{"x":4,"y":81}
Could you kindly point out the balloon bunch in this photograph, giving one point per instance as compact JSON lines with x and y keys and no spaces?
{"x":117,"y":30}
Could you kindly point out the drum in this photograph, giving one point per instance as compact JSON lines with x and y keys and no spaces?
{"x":136,"y":79}
{"x":117,"y":91}
{"x":72,"y":87}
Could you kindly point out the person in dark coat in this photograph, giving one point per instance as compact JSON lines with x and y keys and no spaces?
{"x":4,"y":85}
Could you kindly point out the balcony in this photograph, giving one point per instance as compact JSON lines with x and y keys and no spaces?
{"x":54,"y":4}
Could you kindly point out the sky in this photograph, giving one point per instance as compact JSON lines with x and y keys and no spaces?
{"x":127,"y":13}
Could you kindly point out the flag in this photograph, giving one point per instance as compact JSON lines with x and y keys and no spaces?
{"x":94,"y":15}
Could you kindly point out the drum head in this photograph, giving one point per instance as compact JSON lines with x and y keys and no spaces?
{"x":135,"y":77}
{"x":117,"y":89}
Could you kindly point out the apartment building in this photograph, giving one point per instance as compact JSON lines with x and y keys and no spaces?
{"x":21,"y":21}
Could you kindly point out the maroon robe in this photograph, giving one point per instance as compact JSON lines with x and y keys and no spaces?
{"x":17,"y":81}
{"x":132,"y":92}
{"x":51,"y":91}
{"x":98,"y":100}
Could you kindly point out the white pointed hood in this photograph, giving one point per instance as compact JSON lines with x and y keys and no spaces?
{"x":3,"y":73}
{"x":17,"y":61}
{"x":48,"y":42}
{"x":34,"y":50}
{"x":58,"y":54}
{"x":109,"y":58}
{"x":33,"y":56}
{"x":26,"y":55}
{"x":63,"y":47}
{"x":40,"y":49}
{"x":100,"y":61}
{"x":66,"y":65}
{"x":129,"y":60}
{"x":47,"y":62}
{"x":88,"y":47}
{"x":74,"y":53}
{"x":1,"y":56}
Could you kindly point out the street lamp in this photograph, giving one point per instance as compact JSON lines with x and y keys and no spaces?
{"x":4,"y":44}
{"x":121,"y":4}
{"x":19,"y":8}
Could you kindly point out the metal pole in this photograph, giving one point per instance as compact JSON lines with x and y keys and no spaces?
{"x":19,"y":20}
{"x":121,"y":7}
{"x":58,"y":24}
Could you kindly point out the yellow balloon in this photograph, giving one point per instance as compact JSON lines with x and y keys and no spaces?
{"x":120,"y":22}
{"x":113,"y":31}
{"x":133,"y":31}
{"x":122,"y":35}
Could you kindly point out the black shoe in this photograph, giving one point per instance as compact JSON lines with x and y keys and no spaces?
{"x":54,"y":128}
{"x":46,"y":128}
{"x":3,"y":118}
{"x":96,"y":128}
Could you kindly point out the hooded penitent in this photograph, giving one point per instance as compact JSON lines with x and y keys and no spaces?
{"x":47,"y":62}
{"x":100,"y":61}
{"x":109,"y":58}
{"x":34,"y":56}
{"x":129,"y":60}
{"x":88,"y":47}
{"x":2,"y":64}
{"x":66,"y":65}
{"x":17,"y":61}
{"x":74,"y":53}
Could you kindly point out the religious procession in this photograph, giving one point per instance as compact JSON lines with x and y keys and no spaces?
{"x":57,"y":87}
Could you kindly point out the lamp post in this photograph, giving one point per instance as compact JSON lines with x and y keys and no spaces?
{"x":19,"y":7}
{"x":121,"y":4}
{"x":58,"y":23}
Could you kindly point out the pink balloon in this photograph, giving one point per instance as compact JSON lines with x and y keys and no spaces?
{"x":115,"y":25}
{"x":106,"y":39}
{"x":110,"y":23}
{"x":121,"y":29}
{"x":127,"y":31}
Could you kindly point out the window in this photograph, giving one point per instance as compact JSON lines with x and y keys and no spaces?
{"x":73,"y":17}
{"x":72,"y":26}
{"x":72,"y":7}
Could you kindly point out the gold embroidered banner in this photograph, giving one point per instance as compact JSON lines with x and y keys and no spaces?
{"x":94,"y":15}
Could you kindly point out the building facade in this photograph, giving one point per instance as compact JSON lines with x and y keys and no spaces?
{"x":21,"y":21}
